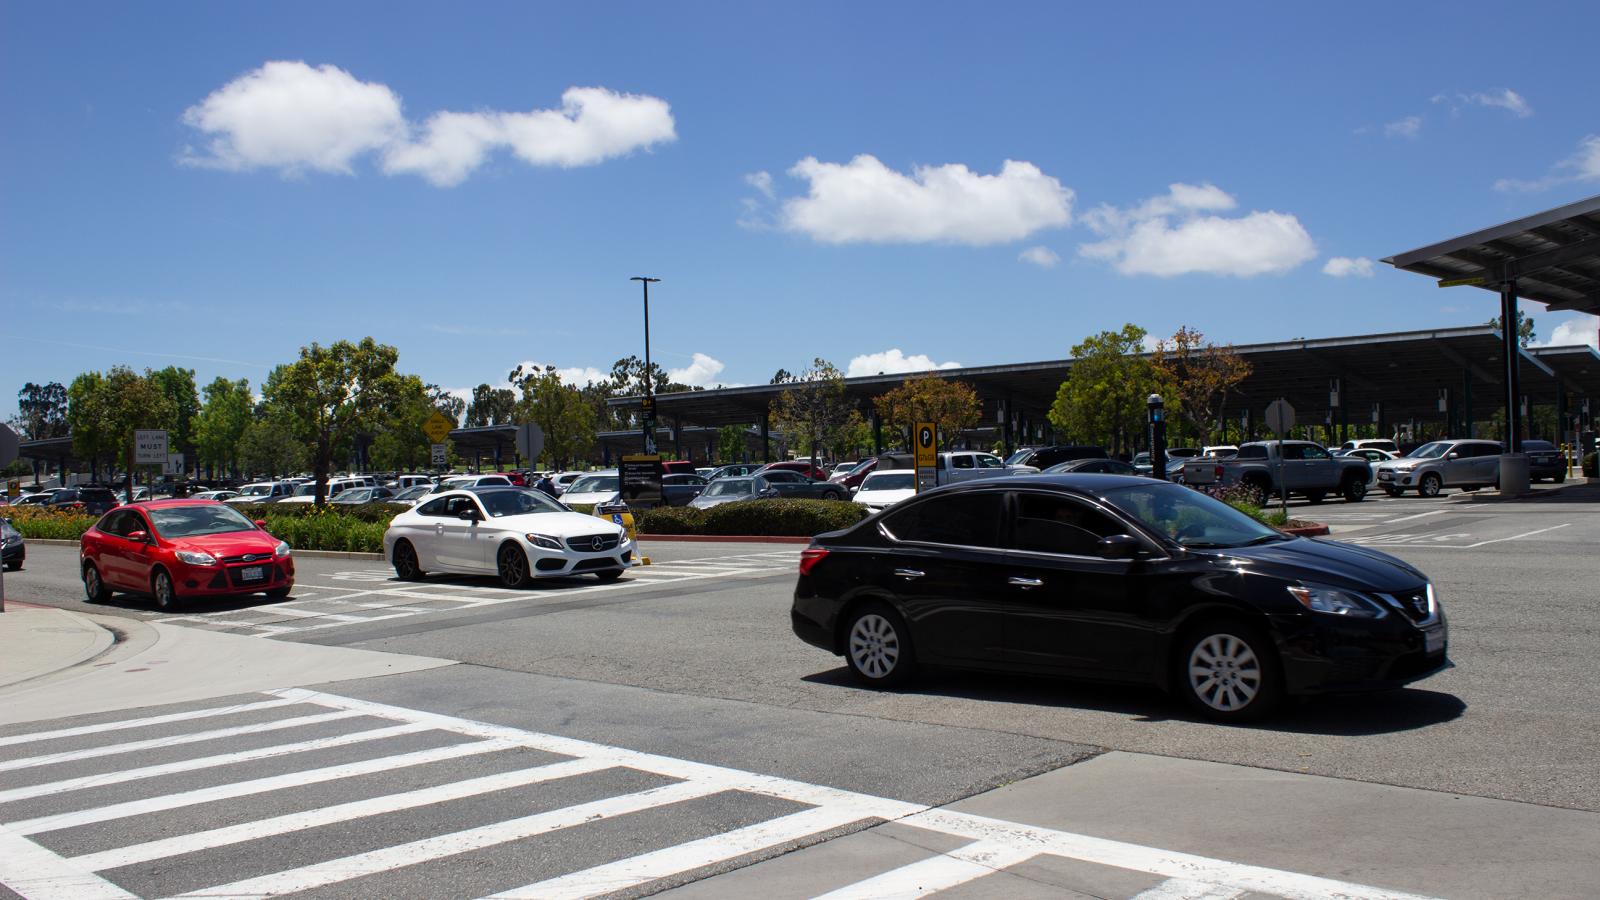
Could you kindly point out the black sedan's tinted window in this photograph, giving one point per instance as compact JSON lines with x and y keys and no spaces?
{"x":968,"y":519}
{"x":1053,"y":524}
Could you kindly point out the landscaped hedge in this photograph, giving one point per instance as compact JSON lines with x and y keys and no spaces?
{"x":365,"y":512}
{"x":48,"y":524}
{"x":329,"y":531}
{"x":768,"y":518}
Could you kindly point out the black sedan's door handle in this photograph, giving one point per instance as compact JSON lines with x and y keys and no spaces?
{"x":1024,"y":582}
{"x":909,"y":573}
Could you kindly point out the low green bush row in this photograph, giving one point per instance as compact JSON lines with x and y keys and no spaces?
{"x":357,"y":529}
{"x":48,"y":524}
{"x":365,"y":512}
{"x":767,"y":518}
{"x":329,"y":532}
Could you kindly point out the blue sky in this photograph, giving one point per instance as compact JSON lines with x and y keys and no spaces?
{"x":216,"y":185}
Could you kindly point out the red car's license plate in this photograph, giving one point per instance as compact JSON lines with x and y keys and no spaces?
{"x":252,"y":573}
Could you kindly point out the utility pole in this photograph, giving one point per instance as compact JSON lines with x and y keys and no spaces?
{"x":648,"y":405}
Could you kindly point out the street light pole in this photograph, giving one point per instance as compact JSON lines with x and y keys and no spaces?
{"x":649,"y":417}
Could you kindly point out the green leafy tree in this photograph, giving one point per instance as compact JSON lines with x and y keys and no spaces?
{"x":1525,"y":333}
{"x":400,"y":444}
{"x":332,"y":394}
{"x":1103,"y":399}
{"x":952,"y":406}
{"x":731,"y":443}
{"x":90,"y":438}
{"x":813,"y":412}
{"x":42,"y":411}
{"x":178,"y":386}
{"x":491,"y":406}
{"x":561,"y":412}
{"x":452,"y":406}
{"x":271,"y":448}
{"x":222,"y":422}
{"x":1199,"y":375}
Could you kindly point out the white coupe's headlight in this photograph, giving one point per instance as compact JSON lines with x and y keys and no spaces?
{"x":1336,"y":602}
{"x":543,"y":540}
{"x":196,"y":557}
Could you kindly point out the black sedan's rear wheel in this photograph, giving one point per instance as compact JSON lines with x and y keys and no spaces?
{"x":878,"y":646}
{"x":1229,"y":672}
{"x":512,"y":564}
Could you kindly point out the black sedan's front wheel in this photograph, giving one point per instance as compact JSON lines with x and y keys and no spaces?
{"x":878,"y":646}
{"x":1229,"y":672}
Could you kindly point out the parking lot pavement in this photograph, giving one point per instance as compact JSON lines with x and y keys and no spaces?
{"x":330,"y":794}
{"x":256,"y":796}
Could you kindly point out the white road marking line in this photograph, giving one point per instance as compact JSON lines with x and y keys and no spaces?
{"x":329,"y":815}
{"x":1515,"y":537}
{"x":201,"y":620}
{"x":206,"y":762}
{"x":1167,"y":863}
{"x":727,"y":779}
{"x":122,"y":724}
{"x":445,"y":845}
{"x":959,"y":866}
{"x":1422,"y":515}
{"x":1185,"y":889}
{"x":237,"y":789}
{"x":36,"y":873}
{"x":285,"y":612}
{"x":172,"y":741}
{"x":648,"y":867}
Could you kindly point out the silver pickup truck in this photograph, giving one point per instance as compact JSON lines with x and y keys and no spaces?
{"x":966,"y":465}
{"x":1307,"y":470}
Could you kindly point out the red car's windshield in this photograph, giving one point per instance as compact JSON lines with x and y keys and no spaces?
{"x":193,"y":521}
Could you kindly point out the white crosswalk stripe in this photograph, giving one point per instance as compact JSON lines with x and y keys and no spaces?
{"x":109,"y":856}
{"x":370,"y":595}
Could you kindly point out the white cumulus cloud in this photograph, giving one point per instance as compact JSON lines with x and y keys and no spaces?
{"x":1505,"y":99}
{"x":1346,"y":266}
{"x":1579,"y":329}
{"x":1043,"y":257}
{"x":1170,"y":235}
{"x":865,"y":201}
{"x":894,"y":362}
{"x":702,"y":371}
{"x":593,"y":124}
{"x":293,"y":117}
{"x":577,"y":376}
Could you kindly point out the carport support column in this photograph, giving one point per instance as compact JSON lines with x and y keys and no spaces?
{"x":877,"y":433}
{"x":766,"y":435}
{"x":1513,"y":356}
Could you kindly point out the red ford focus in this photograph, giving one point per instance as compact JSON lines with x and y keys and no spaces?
{"x":178,"y":549}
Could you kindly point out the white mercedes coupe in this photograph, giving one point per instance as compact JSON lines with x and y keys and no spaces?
{"x":515,"y":533}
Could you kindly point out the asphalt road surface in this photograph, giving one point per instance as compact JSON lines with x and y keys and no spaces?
{"x":690,"y":662}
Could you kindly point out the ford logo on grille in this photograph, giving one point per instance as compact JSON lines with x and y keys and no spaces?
{"x":251,"y":557}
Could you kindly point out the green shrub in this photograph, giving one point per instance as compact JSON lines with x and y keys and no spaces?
{"x":328,"y":532}
{"x":1591,"y":466}
{"x":48,"y":524}
{"x":365,"y":512}
{"x":783,"y":517}
{"x":672,"y":520}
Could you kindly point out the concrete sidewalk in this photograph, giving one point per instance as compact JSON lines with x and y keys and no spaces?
{"x":56,"y":663}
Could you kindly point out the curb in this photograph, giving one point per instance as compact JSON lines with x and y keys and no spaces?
{"x":337,"y":554}
{"x":96,"y":645}
{"x":725,"y":538}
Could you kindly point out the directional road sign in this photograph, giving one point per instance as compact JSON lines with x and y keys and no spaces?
{"x":1280,"y":416}
{"x":530,"y":441}
{"x":150,"y":447}
{"x":438,"y":427}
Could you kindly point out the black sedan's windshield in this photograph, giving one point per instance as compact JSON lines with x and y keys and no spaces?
{"x":193,"y":521}
{"x":1188,"y":517}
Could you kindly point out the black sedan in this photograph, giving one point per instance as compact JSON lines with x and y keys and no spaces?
{"x":13,"y":552}
{"x":1115,"y":578}
{"x":1093,"y":466}
{"x":796,"y":486}
{"x":678,"y":490}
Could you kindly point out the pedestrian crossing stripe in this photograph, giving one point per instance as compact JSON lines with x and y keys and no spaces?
{"x":990,"y":845}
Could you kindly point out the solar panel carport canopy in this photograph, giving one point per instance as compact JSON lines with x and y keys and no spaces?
{"x":1553,"y":256}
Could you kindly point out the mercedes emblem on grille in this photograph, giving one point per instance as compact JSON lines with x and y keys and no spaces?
{"x":596,"y":542}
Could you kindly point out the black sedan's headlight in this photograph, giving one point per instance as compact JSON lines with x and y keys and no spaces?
{"x":1336,"y":601}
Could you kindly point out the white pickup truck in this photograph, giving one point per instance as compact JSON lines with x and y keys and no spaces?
{"x":966,"y":465}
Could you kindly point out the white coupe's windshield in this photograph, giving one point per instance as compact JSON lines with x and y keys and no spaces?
{"x":594,"y":484}
{"x":1430,"y":451}
{"x":730,"y":487}
{"x":1188,"y":517}
{"x":518,"y":503}
{"x":890,"y":481}
{"x":193,"y":521}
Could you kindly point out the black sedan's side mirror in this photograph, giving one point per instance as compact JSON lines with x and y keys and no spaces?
{"x":1118,"y":546}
